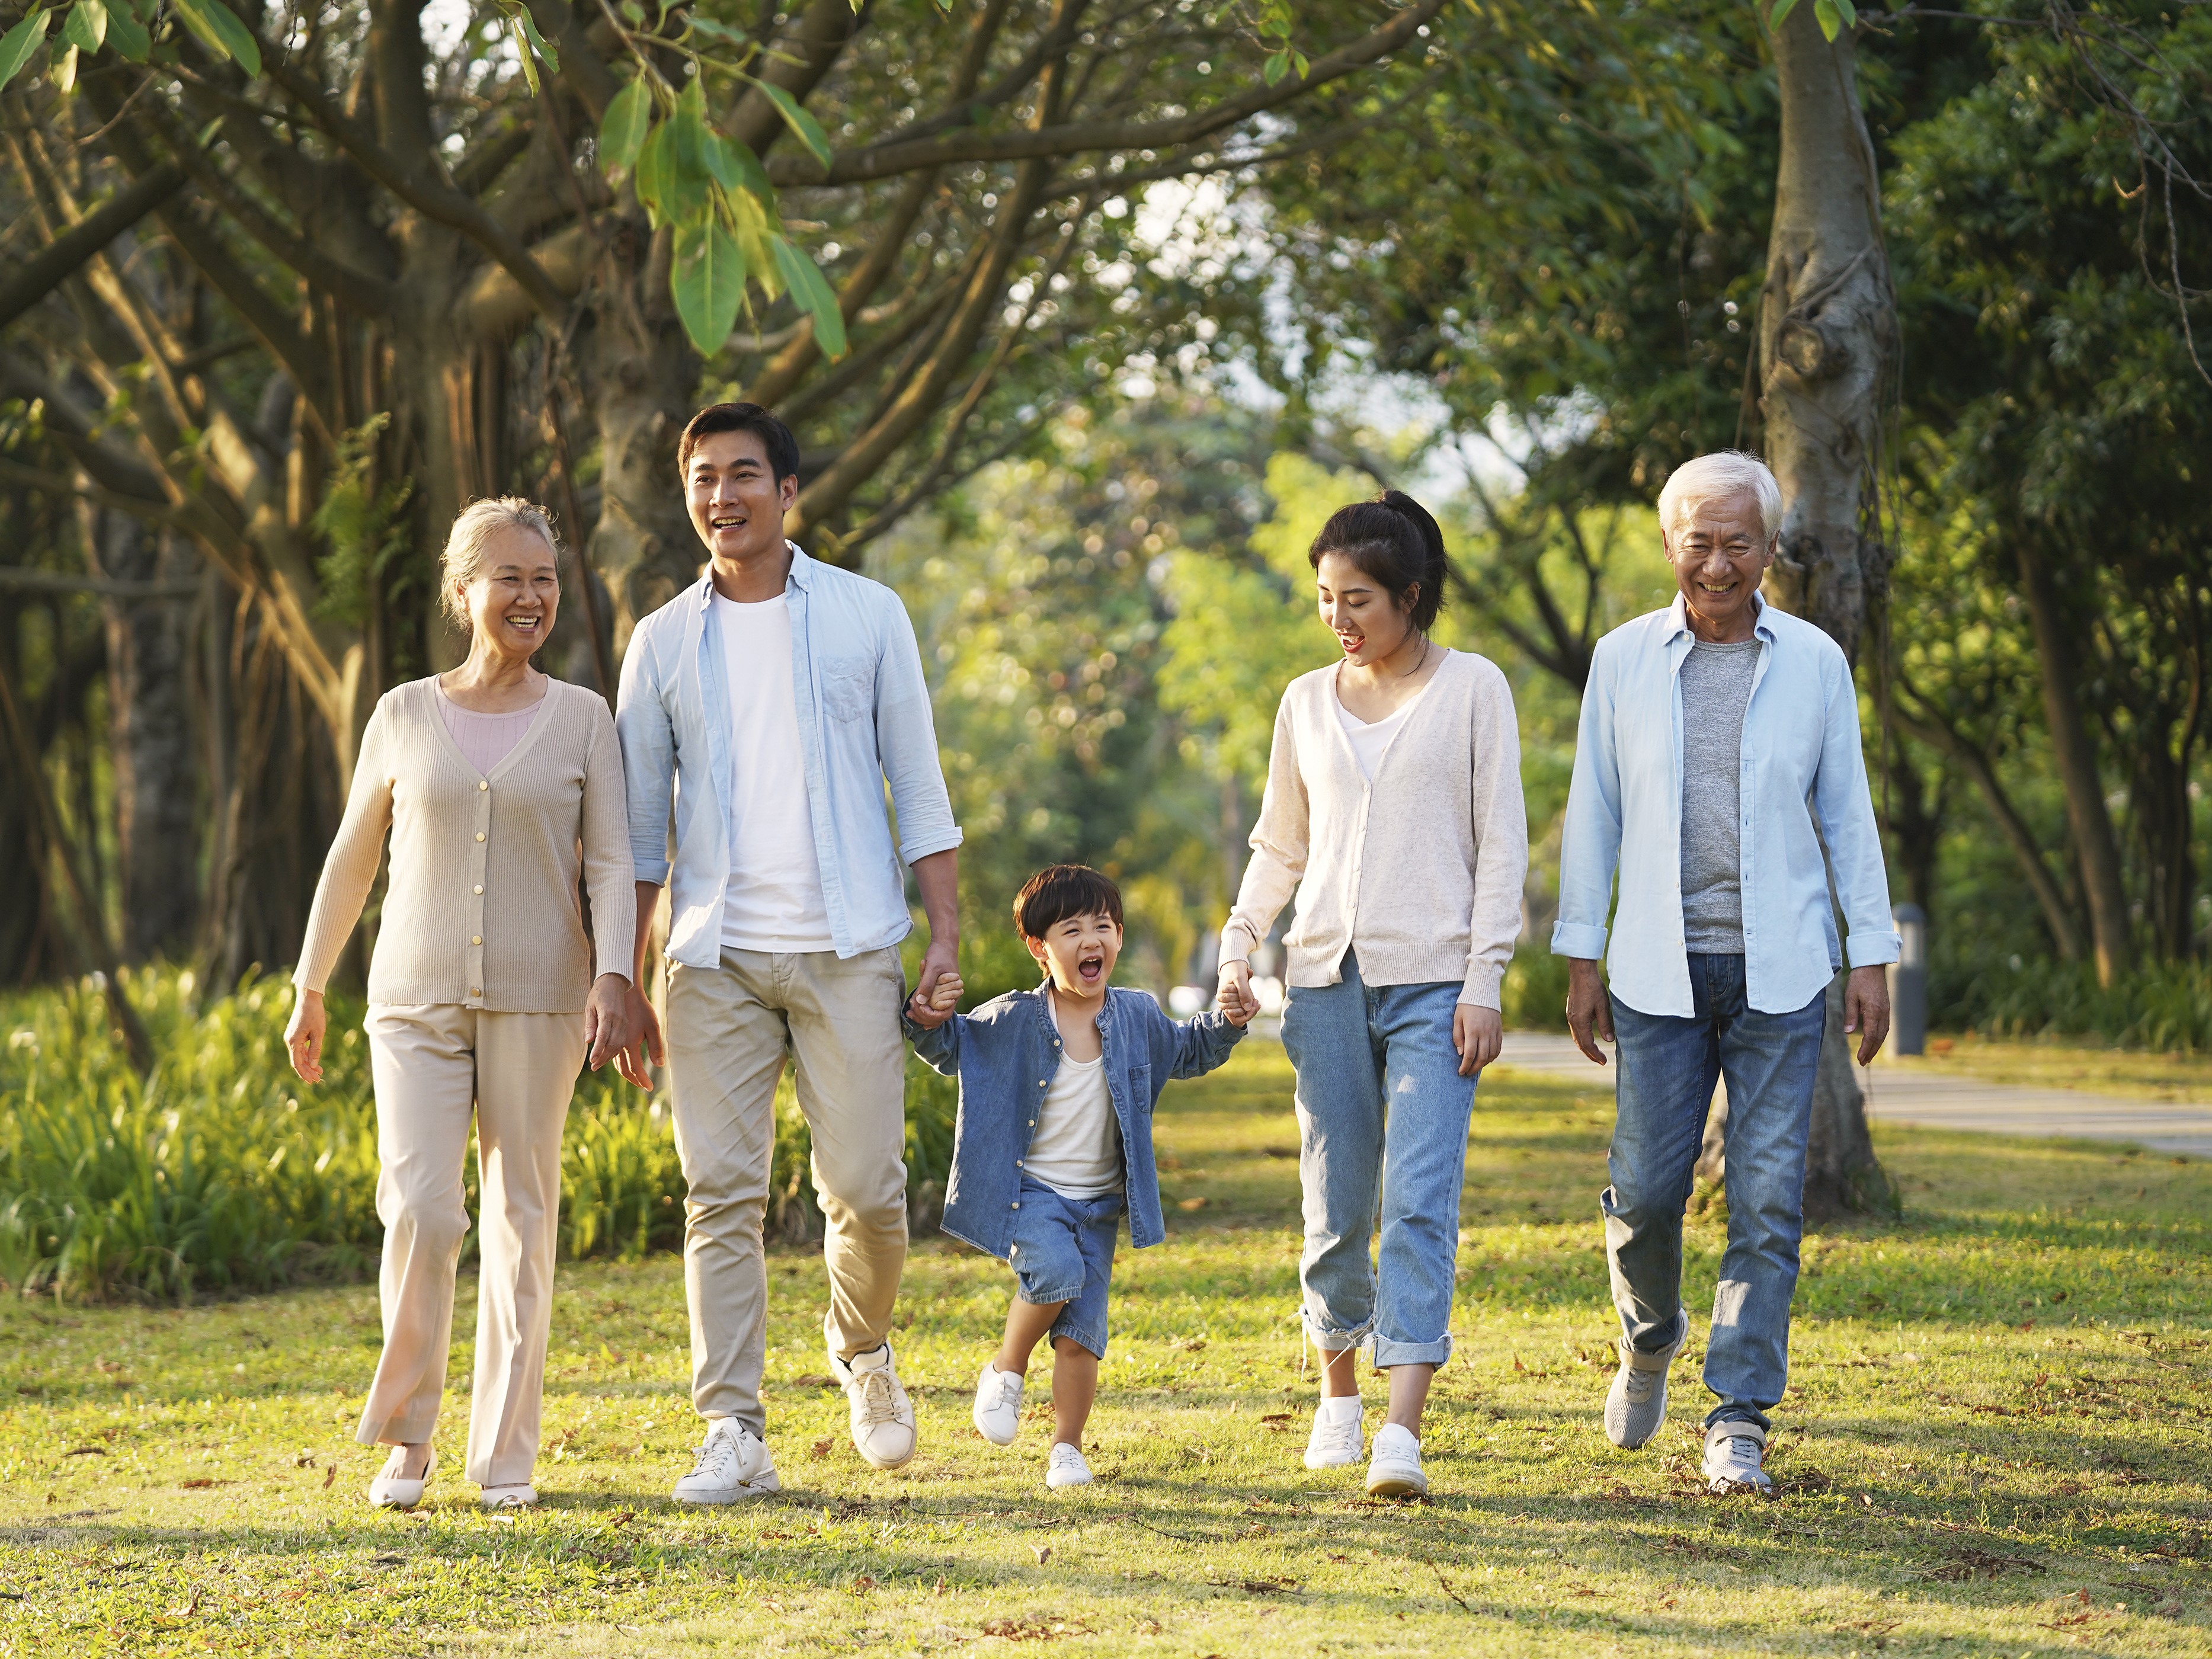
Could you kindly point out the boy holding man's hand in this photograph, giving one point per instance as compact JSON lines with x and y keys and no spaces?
{"x":1055,"y":1139}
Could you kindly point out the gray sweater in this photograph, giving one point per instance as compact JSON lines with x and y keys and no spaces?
{"x":1716,"y":681}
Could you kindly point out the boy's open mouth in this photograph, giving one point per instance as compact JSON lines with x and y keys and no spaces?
{"x":1090,"y":968}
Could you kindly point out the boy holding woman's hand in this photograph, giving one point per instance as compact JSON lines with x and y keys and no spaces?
{"x":1055,"y":1140}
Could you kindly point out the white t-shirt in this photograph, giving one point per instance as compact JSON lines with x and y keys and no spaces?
{"x":1370,"y":741}
{"x":774,"y":901}
{"x":1077,"y":1148}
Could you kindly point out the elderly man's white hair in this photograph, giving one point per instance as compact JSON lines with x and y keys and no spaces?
{"x":1725,"y":475}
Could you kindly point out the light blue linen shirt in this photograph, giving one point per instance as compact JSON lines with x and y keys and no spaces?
{"x":864,"y":721}
{"x":1803,"y":782}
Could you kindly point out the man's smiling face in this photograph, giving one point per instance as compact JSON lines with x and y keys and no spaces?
{"x":1720,"y":550}
{"x":736,"y":503}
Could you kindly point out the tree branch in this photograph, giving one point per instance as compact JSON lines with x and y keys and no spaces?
{"x":62,"y":258}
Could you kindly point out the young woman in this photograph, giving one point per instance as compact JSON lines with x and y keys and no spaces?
{"x":1393,"y":807}
{"x":500,"y":786}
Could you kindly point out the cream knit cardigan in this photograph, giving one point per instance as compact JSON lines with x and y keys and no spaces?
{"x":1419,"y":871}
{"x":482,"y":907}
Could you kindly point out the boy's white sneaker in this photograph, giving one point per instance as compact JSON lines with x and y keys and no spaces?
{"x":733,"y":1463}
{"x":1338,"y":1434}
{"x":1734,"y":1452}
{"x":1066,"y":1467}
{"x":1395,"y":1471}
{"x":998,"y":1404}
{"x":882,"y":1416}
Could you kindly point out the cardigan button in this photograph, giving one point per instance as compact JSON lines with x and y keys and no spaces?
{"x":475,"y":938}
{"x":481,"y":784}
{"x":480,"y":892}
{"x":479,"y":835}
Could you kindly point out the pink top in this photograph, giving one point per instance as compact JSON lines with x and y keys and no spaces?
{"x":485,"y":740}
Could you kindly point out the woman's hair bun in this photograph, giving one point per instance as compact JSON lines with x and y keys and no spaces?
{"x":1393,"y":540}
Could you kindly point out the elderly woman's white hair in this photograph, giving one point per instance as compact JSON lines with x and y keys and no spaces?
{"x":472,"y":533}
{"x":1725,"y":475}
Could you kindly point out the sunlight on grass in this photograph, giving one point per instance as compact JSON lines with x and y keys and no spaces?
{"x":1995,"y":1442}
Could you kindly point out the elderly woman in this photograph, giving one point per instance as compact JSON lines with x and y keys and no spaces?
{"x":1718,"y":771}
{"x":500,"y":786}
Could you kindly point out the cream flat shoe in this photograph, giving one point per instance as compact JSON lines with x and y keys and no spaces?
{"x":509,"y":1497}
{"x":390,"y":1491}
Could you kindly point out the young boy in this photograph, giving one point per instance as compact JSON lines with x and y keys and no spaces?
{"x":1055,"y":1140}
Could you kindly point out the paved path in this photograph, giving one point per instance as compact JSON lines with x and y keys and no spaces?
{"x":1947,"y":1103}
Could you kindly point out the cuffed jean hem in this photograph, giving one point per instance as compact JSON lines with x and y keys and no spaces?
{"x":1737,"y":1411}
{"x":1329,"y":1341}
{"x":1388,"y":1354}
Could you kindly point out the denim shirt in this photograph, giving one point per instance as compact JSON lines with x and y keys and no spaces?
{"x":1005,"y":1053}
{"x":1802,"y":784}
{"x":864,"y":720}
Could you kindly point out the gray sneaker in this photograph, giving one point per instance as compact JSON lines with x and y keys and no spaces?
{"x":1733,"y":1452}
{"x":1636,"y":1404}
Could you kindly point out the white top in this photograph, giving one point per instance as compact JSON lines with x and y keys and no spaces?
{"x":774,"y":901}
{"x":1077,"y":1148}
{"x":484,"y":741}
{"x":1442,"y":828}
{"x":1370,"y":738}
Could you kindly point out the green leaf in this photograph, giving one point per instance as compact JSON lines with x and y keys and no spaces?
{"x":714,"y":31}
{"x":707,"y":281}
{"x":1824,"y":13}
{"x":126,"y":33}
{"x":1782,"y":9}
{"x":64,"y":71}
{"x":1277,"y":66}
{"x":808,"y":129}
{"x":623,"y":129}
{"x":687,"y":186}
{"x":811,"y":289}
{"x":218,"y":29}
{"x":523,"y":54}
{"x":651,"y":181}
{"x":538,"y":42}
{"x":86,"y":25}
{"x":20,"y":42}
{"x":736,"y":167}
{"x":1850,"y":12}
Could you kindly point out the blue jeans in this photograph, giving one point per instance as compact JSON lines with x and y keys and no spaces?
{"x":1668,"y":1068}
{"x":1382,"y":1115}
{"x":1063,"y":1251}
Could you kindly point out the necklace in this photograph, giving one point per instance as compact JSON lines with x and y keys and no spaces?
{"x":1419,"y":665}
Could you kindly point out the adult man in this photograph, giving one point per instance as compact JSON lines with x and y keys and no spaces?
{"x":778,"y":695}
{"x":1718,"y":751}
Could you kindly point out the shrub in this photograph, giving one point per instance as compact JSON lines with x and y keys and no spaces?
{"x":2165,"y":1007}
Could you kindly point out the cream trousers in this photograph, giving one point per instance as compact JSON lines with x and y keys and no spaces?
{"x":436,"y":1066}
{"x":728,"y":1027}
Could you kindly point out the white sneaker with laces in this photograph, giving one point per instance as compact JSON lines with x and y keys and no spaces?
{"x":998,"y":1405}
{"x":1338,"y":1434}
{"x":733,"y":1462}
{"x":1066,"y":1467}
{"x":1636,"y":1404}
{"x":391,"y":1490}
{"x":882,"y":1415}
{"x":1394,"y":1470}
{"x":1734,"y":1452}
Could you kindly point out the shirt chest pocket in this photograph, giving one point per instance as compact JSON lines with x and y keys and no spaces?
{"x":849,"y":687}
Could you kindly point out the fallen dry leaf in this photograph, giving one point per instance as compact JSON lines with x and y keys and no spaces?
{"x":329,"y":1475}
{"x":822,"y":1447}
{"x":1042,"y":1551}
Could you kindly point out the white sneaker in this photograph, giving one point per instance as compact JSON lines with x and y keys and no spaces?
{"x":389,"y":1491}
{"x":1734,"y":1452}
{"x":1395,"y":1471}
{"x":998,"y":1405}
{"x":883,"y":1417}
{"x":1068,"y":1467}
{"x":733,"y":1463}
{"x":522,"y":1497}
{"x":1337,"y":1436}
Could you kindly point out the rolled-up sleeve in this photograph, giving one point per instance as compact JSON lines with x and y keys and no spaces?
{"x":648,"y":757}
{"x":1590,"y":843}
{"x":906,"y":739}
{"x":1845,"y":806}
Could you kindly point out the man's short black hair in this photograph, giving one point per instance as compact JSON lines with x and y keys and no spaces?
{"x":776,"y":437}
{"x":1061,"y":890}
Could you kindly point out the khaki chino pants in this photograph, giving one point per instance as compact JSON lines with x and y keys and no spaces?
{"x":728,"y":1027}
{"x":437,"y":1067}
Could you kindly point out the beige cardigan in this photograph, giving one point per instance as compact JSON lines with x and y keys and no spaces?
{"x":1421,"y":870}
{"x":482,"y":908}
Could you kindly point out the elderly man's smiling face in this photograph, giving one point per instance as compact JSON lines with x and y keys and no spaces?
{"x":1720,"y":550}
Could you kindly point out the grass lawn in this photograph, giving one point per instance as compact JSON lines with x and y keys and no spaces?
{"x":1996,"y":1442}
{"x":2131,"y":1073}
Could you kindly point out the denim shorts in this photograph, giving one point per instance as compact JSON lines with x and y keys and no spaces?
{"x":1063,"y":1251}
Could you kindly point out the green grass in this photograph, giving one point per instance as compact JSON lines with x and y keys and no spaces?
{"x":1996,"y":1443}
{"x":2045,"y":1063}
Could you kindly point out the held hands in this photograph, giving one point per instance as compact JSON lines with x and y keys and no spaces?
{"x":1236,"y":998}
{"x":644,"y":1050}
{"x":303,"y":1034}
{"x":932,"y":1009}
{"x":1477,"y":1033}
{"x":1589,"y":1010}
{"x":606,"y":1021}
{"x":1866,"y":1010}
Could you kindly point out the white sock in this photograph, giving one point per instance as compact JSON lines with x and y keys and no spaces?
{"x":1343,"y":1408}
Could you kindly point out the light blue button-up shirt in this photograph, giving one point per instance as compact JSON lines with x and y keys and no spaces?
{"x":1803,"y":782}
{"x":864,"y":721}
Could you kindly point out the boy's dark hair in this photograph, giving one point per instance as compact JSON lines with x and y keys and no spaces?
{"x":1395,"y":541}
{"x":776,"y":437}
{"x":1060,"y":890}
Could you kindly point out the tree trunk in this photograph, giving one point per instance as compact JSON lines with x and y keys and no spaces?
{"x":1827,"y":356}
{"x":2075,"y":749}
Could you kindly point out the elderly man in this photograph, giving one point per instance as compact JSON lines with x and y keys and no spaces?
{"x":1718,"y":753}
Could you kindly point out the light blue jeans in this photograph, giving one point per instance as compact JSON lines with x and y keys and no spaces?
{"x":1383,"y":1114}
{"x":1667,"y":1067}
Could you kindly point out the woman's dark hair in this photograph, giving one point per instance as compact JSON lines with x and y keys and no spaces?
{"x":1060,"y":890}
{"x":1394,"y":541}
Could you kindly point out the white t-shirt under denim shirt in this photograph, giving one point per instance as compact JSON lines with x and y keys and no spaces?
{"x":774,"y":901}
{"x":1077,"y":1148}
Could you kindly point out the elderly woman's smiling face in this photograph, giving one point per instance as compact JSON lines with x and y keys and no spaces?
{"x":514,"y":595}
{"x":1720,"y":550}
